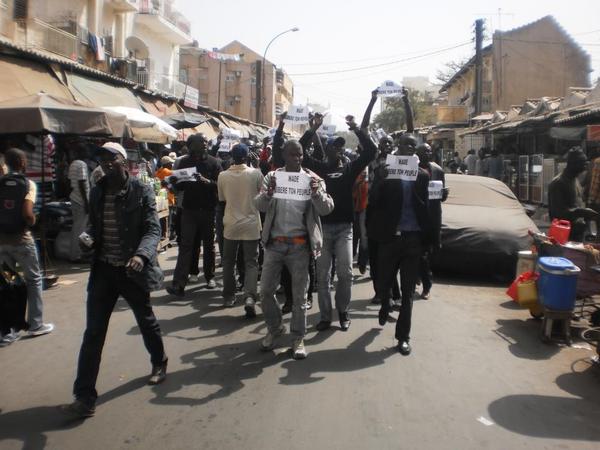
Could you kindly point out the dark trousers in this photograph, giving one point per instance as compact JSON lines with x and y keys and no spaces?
{"x":425,"y":271}
{"x":401,"y":253}
{"x":195,"y":224}
{"x":373,"y":270}
{"x":106,"y":284}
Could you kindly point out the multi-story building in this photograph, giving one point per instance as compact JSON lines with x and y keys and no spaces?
{"x":535,"y":60}
{"x":135,"y":39}
{"x":227,"y":79}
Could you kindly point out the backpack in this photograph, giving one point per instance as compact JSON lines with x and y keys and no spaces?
{"x":13,"y":189}
{"x":13,"y":301}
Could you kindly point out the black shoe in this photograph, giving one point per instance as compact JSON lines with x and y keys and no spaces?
{"x":287,"y":308}
{"x":425,"y":294}
{"x":78,"y":410}
{"x":376,"y":301}
{"x":159,"y":373}
{"x":383,"y":316}
{"x":344,"y":321}
{"x":404,"y":348}
{"x":176,"y":291}
{"x":323,"y":325}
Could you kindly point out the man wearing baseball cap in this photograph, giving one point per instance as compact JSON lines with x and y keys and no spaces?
{"x":123,"y":234}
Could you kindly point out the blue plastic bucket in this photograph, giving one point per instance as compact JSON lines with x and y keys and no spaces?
{"x":557,"y":283}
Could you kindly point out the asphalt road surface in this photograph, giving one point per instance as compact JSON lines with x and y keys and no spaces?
{"x":478,"y":378}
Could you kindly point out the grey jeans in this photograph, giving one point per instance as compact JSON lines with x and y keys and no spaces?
{"x":230,"y":249}
{"x":337,"y":240}
{"x":295,"y":257}
{"x":26,"y":256}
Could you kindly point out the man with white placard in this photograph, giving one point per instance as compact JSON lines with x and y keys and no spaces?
{"x":398,"y":220}
{"x":293,"y":199}
{"x":438,"y":193}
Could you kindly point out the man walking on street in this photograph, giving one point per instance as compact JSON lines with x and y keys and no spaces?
{"x":399,"y":222}
{"x":337,"y":226}
{"x":124,"y":232}
{"x":436,"y":176}
{"x":17,"y":246}
{"x":292,"y":229}
{"x":237,"y":187}
{"x":198,"y":218}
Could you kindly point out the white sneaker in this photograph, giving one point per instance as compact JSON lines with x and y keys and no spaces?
{"x":41,"y":330}
{"x":9,"y":338}
{"x":229,"y":302}
{"x":250,"y":307}
{"x":268,"y":343}
{"x":298,"y":349}
{"x":193,"y":279}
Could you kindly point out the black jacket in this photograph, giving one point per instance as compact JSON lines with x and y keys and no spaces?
{"x":436,"y":173}
{"x":385,"y":208}
{"x":200,"y":195}
{"x":139,"y":228}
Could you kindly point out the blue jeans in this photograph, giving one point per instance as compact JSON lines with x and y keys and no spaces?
{"x":337,"y":240}
{"x":26,"y":256}
{"x":295,"y":257}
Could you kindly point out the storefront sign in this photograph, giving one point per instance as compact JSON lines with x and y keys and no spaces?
{"x":292,"y":185}
{"x":436,"y":189}
{"x":593,"y":132}
{"x":390,"y":89}
{"x":224,"y":56}
{"x":297,"y":115}
{"x":402,"y":167}
{"x":191,"y":98}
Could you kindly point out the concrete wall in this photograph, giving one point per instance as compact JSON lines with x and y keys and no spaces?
{"x":163,"y":55}
{"x":536,"y":61}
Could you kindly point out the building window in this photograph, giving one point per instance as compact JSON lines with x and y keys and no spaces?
{"x":230,"y":77}
{"x":253,"y":80}
{"x":278,"y":108}
{"x":203,"y":99}
{"x":20,"y":9}
{"x":183,"y":75}
{"x":230,"y":101}
{"x":253,"y":103}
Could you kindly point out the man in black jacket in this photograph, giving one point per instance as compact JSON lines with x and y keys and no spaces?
{"x":337,"y":226}
{"x":124,"y":231}
{"x":436,"y":176}
{"x":399,"y":222}
{"x":198,"y":218}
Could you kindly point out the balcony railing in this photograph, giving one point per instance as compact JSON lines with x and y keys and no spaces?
{"x":158,"y":7}
{"x":42,"y":35}
{"x":142,"y":77}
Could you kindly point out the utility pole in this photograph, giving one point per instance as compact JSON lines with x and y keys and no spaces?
{"x":478,"y":66}
{"x":259,"y":93}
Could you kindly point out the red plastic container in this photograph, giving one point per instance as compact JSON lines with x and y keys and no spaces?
{"x":560,"y":230}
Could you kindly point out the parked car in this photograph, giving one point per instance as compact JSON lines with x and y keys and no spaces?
{"x":484,"y":227}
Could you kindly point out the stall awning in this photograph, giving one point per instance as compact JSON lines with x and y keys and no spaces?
{"x":158,"y":107}
{"x":99,"y":93}
{"x":21,"y":78}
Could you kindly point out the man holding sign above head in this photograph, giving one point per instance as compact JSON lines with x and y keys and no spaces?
{"x":339,"y":177}
{"x":438,"y":193}
{"x":399,"y":222}
{"x":293,"y":198}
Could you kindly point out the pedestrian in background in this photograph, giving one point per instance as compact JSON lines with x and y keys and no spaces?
{"x":79,"y":197}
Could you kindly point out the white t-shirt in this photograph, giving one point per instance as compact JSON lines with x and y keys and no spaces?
{"x":78,"y":171}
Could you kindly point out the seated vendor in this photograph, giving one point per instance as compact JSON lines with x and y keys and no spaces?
{"x":565,"y":195}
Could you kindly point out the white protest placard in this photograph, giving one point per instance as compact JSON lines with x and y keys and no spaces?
{"x":297,"y":114}
{"x":329,"y":130}
{"x":402,"y":167}
{"x":436,"y":189}
{"x":184,"y":174}
{"x":230,"y":133}
{"x":292,"y":185}
{"x":226,"y":144}
{"x":389,"y":89}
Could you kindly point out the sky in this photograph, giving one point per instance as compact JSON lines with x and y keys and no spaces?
{"x":349,"y":37}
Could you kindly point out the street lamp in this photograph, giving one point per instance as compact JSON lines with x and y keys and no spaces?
{"x":262,"y":76}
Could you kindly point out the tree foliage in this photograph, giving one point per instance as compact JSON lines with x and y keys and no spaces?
{"x":393,"y":116}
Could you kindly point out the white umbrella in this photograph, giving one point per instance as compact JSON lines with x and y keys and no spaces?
{"x":146,"y":127}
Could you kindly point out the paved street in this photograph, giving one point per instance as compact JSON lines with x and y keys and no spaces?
{"x":479,"y":377}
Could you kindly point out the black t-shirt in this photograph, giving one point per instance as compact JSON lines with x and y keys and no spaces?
{"x":200,"y":195}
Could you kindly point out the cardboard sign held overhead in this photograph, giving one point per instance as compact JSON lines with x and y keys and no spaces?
{"x":297,"y":115}
{"x":230,"y":133}
{"x":292,"y":185}
{"x":226,"y":144}
{"x":402,"y":167}
{"x":390,"y":89}
{"x":329,"y":130}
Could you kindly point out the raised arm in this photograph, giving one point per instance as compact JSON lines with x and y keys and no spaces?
{"x":410,"y":127}
{"x":364,"y":125}
{"x":312,"y":162}
{"x":276,"y":151}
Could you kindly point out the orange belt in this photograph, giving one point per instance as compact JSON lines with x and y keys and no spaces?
{"x":297,"y":240}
